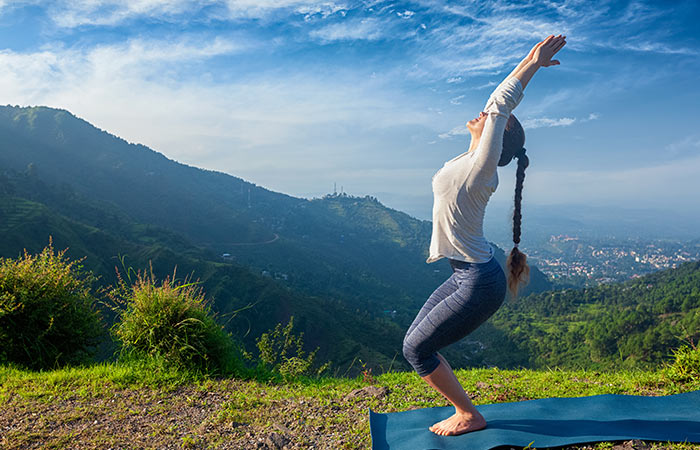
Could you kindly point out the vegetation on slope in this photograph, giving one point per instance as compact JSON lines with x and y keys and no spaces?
{"x":622,"y":325}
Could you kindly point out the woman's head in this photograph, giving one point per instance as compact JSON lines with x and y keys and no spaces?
{"x":513,"y":147}
{"x":476,"y":125}
{"x":513,"y":140}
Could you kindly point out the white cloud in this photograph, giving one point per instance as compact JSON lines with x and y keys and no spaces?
{"x":74,"y":13}
{"x":456,"y":100}
{"x":657,"y":47}
{"x":487,"y":85}
{"x":456,"y":131}
{"x":541,"y":122}
{"x":262,"y":8}
{"x":687,"y":145}
{"x":369,"y":29}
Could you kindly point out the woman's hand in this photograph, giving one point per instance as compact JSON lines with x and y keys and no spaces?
{"x":542,"y":52}
{"x":540,"y":56}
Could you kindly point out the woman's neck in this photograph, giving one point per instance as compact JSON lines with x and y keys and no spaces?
{"x":474,"y":143}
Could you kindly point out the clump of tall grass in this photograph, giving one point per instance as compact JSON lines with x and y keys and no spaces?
{"x":685,"y":366}
{"x":171,"y":323}
{"x":281,"y":353}
{"x":47,"y":311}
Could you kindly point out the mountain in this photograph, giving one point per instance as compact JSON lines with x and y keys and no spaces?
{"x":103,"y":196}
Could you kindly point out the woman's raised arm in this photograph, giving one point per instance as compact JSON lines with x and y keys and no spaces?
{"x":502,"y":102}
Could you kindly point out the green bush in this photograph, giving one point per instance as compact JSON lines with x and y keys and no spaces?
{"x":281,"y":352}
{"x":47,"y":318}
{"x":171,"y":323}
{"x":686,"y":364}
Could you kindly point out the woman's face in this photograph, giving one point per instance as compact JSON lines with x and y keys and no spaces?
{"x":476,"y":125}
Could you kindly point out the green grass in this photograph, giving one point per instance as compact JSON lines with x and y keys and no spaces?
{"x":142,"y":405}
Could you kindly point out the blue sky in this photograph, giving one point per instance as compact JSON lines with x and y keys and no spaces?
{"x":295,"y":95}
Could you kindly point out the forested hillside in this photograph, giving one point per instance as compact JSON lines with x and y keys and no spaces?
{"x":27,"y":221}
{"x":622,"y":325}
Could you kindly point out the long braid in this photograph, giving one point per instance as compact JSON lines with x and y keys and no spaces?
{"x":518,"y":269}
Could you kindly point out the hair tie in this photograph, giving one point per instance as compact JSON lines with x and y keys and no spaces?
{"x":520,"y":153}
{"x":515,"y":245}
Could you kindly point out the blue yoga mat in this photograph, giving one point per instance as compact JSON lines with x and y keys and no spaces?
{"x":547,"y":422}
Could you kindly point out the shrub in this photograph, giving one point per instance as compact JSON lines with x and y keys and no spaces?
{"x":47,"y":318}
{"x":686,"y":364}
{"x":172,"y":323}
{"x":281,"y":351}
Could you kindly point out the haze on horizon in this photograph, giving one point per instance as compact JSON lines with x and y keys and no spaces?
{"x":297,"y":95}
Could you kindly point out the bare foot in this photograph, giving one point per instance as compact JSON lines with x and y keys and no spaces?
{"x":459,"y":424}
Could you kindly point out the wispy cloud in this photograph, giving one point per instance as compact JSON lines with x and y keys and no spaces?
{"x":457,"y":100}
{"x":689,"y":145}
{"x":262,"y":8}
{"x":74,"y":13}
{"x":547,"y":122}
{"x":456,"y":131}
{"x":542,"y":122}
{"x":369,"y":29}
{"x":486,"y":85}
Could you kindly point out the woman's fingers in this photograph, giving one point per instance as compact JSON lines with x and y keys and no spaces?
{"x":558,"y":45}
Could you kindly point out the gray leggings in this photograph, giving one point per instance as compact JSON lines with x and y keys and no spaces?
{"x":471,"y":295}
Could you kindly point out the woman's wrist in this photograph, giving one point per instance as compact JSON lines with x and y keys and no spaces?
{"x":525,"y":73}
{"x":534,"y":62}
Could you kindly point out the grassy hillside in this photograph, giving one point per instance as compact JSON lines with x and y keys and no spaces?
{"x":110,"y":406}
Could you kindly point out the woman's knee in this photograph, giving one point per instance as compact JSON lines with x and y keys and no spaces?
{"x":422,"y":362}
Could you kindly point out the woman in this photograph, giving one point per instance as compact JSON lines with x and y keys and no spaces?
{"x":477,"y":287}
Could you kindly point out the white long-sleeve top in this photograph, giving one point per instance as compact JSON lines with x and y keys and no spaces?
{"x":463,"y":186}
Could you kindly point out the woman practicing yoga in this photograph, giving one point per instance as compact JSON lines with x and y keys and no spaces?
{"x":477,"y":286}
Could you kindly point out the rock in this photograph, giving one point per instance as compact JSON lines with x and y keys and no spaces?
{"x":282,"y":428}
{"x":368,"y":391}
{"x":634,"y":444}
{"x":276,"y":441}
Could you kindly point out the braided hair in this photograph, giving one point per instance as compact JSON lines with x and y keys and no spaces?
{"x":513,"y":147}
